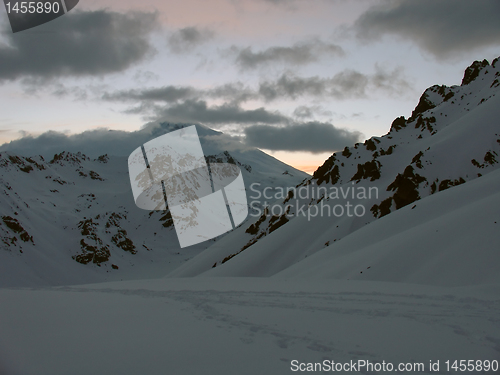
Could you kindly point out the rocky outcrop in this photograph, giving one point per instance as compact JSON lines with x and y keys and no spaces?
{"x":15,"y":227}
{"x":473,"y":71}
{"x":370,"y":169}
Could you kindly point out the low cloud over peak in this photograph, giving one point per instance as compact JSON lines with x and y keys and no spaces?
{"x":314,"y":137}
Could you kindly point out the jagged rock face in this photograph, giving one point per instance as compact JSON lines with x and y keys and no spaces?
{"x":17,"y":230}
{"x":473,"y":71}
{"x":370,"y":169}
{"x":451,"y":137}
{"x":398,"y":123}
{"x":328,"y":172}
{"x":423,"y":105}
{"x":406,"y":187}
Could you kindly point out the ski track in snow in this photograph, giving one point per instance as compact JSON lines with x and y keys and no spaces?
{"x":270,"y":327}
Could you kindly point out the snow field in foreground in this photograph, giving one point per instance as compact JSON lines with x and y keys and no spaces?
{"x":240,"y":325}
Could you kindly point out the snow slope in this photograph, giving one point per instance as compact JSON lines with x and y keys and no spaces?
{"x":447,"y":239}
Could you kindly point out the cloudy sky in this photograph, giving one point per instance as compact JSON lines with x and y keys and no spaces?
{"x":299,"y":79}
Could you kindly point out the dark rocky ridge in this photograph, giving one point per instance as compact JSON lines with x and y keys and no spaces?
{"x":416,"y":178}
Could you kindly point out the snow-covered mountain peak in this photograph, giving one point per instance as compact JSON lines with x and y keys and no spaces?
{"x":72,"y":218}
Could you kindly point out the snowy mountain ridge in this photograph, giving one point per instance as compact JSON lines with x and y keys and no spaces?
{"x":452,"y":137}
{"x":72,"y":219}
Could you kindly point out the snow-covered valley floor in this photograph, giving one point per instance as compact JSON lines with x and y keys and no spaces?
{"x":242,"y":326}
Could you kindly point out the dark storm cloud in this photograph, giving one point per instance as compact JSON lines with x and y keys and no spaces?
{"x":312,"y":137}
{"x":228,"y":113}
{"x":298,"y":54}
{"x":161,"y":94}
{"x":189,"y":104}
{"x":235,"y":92}
{"x":82,"y":43}
{"x":343,"y":85}
{"x":184,"y":40}
{"x":292,"y":86}
{"x":443,"y":27}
